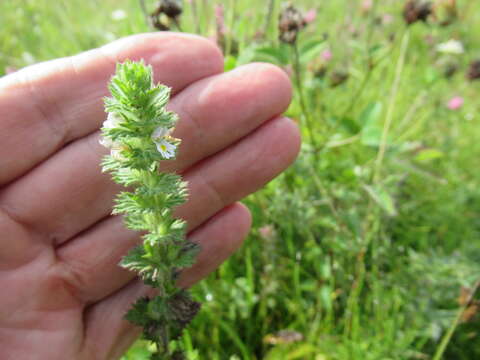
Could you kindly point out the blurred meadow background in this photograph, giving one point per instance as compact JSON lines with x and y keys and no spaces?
{"x":368,"y":247}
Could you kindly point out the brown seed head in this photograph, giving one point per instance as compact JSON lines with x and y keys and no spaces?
{"x":172,"y":8}
{"x":158,"y":24}
{"x":166,"y":11}
{"x":417,"y":10}
{"x":291,"y":21}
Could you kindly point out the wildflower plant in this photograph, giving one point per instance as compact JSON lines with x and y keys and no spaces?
{"x":137,"y":131}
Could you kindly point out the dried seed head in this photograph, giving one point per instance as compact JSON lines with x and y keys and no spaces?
{"x":165,"y":11}
{"x":474,"y":70}
{"x":171,"y":8}
{"x":159,"y":24}
{"x":417,"y":10}
{"x":291,"y":21}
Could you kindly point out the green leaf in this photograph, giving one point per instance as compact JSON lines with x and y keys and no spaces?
{"x":381,"y":196}
{"x":302,"y":351}
{"x":428,"y":155}
{"x":326,"y":296}
{"x":369,"y":116}
{"x":229,"y":63}
{"x":136,"y":314}
{"x":311,"y":48}
{"x":279,"y":55}
{"x":371,"y":127}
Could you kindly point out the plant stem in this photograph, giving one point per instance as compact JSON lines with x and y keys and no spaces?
{"x":448,"y":335}
{"x":177,"y":24}
{"x":271,"y":6}
{"x":229,"y":38}
{"x":303,"y":105}
{"x":193,"y":5}
{"x":391,"y":106}
{"x":145,"y":14}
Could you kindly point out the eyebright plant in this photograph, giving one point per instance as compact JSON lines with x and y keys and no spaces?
{"x":137,"y":131}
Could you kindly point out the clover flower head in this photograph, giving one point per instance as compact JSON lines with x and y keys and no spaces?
{"x":326,"y":55}
{"x":310,"y":16}
{"x":162,"y":139}
{"x":455,"y":103}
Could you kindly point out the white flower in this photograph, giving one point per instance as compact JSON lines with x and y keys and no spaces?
{"x":107,"y":142}
{"x":160,"y":133}
{"x":160,"y":137}
{"x":119,"y":14}
{"x":113,"y":121}
{"x":451,"y":47}
{"x":165,"y":148}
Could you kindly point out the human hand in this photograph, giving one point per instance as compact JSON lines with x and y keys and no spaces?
{"x":64,"y":296}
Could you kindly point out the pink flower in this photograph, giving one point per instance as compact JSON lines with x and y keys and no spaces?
{"x":267,"y":232}
{"x":367,"y":5}
{"x":387,"y":19}
{"x":310,"y":16}
{"x":326,"y":55}
{"x":455,"y":103}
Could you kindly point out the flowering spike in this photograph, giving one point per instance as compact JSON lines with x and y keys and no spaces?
{"x":137,"y":130}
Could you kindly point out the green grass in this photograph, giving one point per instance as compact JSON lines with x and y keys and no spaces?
{"x":375,"y":231}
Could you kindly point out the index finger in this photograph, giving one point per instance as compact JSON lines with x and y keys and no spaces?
{"x":48,"y":105}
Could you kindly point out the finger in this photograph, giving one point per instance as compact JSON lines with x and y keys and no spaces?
{"x":213,"y":115}
{"x":219,"y":238}
{"x":50,"y":104}
{"x":89,"y":262}
{"x":239,"y":170}
{"x":222,"y":109}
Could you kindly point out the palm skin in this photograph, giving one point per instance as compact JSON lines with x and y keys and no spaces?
{"x":64,"y":296}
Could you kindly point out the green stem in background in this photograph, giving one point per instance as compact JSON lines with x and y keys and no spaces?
{"x":206,"y":14}
{"x":229,"y":36}
{"x":268,"y":20}
{"x":391,"y":106}
{"x":176,"y":21}
{"x":372,"y":223}
{"x":196,"y":21}
{"x":145,"y":14}
{"x":456,"y":321}
{"x":303,"y":104}
{"x":370,"y":65}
